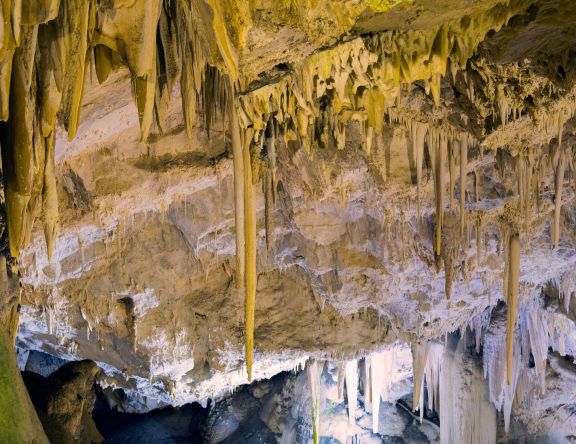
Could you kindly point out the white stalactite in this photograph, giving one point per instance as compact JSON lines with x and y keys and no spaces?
{"x":426,"y":366}
{"x":381,"y":364}
{"x":465,"y":414}
{"x":314,"y":371}
{"x":352,"y":389}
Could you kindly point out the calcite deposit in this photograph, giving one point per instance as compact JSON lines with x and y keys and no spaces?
{"x":199,"y":194}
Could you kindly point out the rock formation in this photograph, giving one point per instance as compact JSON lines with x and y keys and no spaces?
{"x":199,"y":194}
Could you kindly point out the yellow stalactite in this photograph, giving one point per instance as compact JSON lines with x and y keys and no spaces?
{"x":21,"y":166}
{"x":512,"y":299}
{"x":268,"y":205}
{"x":50,"y":197}
{"x":452,"y":170}
{"x":463,"y":166}
{"x":75,"y":21}
{"x":239,"y":180}
{"x":145,"y":92}
{"x":102,"y":62}
{"x":250,"y":237}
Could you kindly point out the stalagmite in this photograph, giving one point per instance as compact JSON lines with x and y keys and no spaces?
{"x":314,"y":371}
{"x":251,"y":243}
{"x":238,"y":164}
{"x":512,"y":299}
{"x":352,"y":390}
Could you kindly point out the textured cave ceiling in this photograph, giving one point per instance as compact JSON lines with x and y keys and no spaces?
{"x":189,"y":181}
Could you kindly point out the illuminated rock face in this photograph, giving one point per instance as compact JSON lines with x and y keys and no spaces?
{"x":228,"y":188}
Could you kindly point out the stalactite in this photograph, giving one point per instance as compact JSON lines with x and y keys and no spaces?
{"x":314,"y":371}
{"x":239,"y":181}
{"x":478,"y":241}
{"x":450,"y":250}
{"x":367,"y":384}
{"x":419,"y":358}
{"x":50,"y":197}
{"x":272,"y":158}
{"x":503,"y":106}
{"x":352,"y":390}
{"x":512,"y":299}
{"x":438,"y":146}
{"x":75,"y":16}
{"x":168,"y":61}
{"x":22,"y":160}
{"x":538,"y":332}
{"x":524,"y":170}
{"x":377,"y":65}
{"x":463,"y":166}
{"x":496,"y":365}
{"x":452,"y":170}
{"x":268,"y":205}
{"x":377,"y":367}
{"x":341,"y":380}
{"x":250,"y":251}
{"x":432,"y":372}
{"x":192,"y":41}
{"x":465,"y":415}
{"x":418,"y":131}
{"x":558,"y":185}
{"x":144,"y":90}
{"x":426,"y":366}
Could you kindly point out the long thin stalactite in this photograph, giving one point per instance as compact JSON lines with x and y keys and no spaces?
{"x":512,"y":299}
{"x":250,"y":252}
{"x":238,"y":164}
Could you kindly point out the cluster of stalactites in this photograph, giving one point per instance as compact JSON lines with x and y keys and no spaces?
{"x":377,"y":377}
{"x":359,"y":79}
{"x":46,"y":51}
{"x":447,"y":148}
{"x":508,"y":370}
{"x":465,"y":414}
{"x":44,"y":55}
{"x":426,"y":367}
